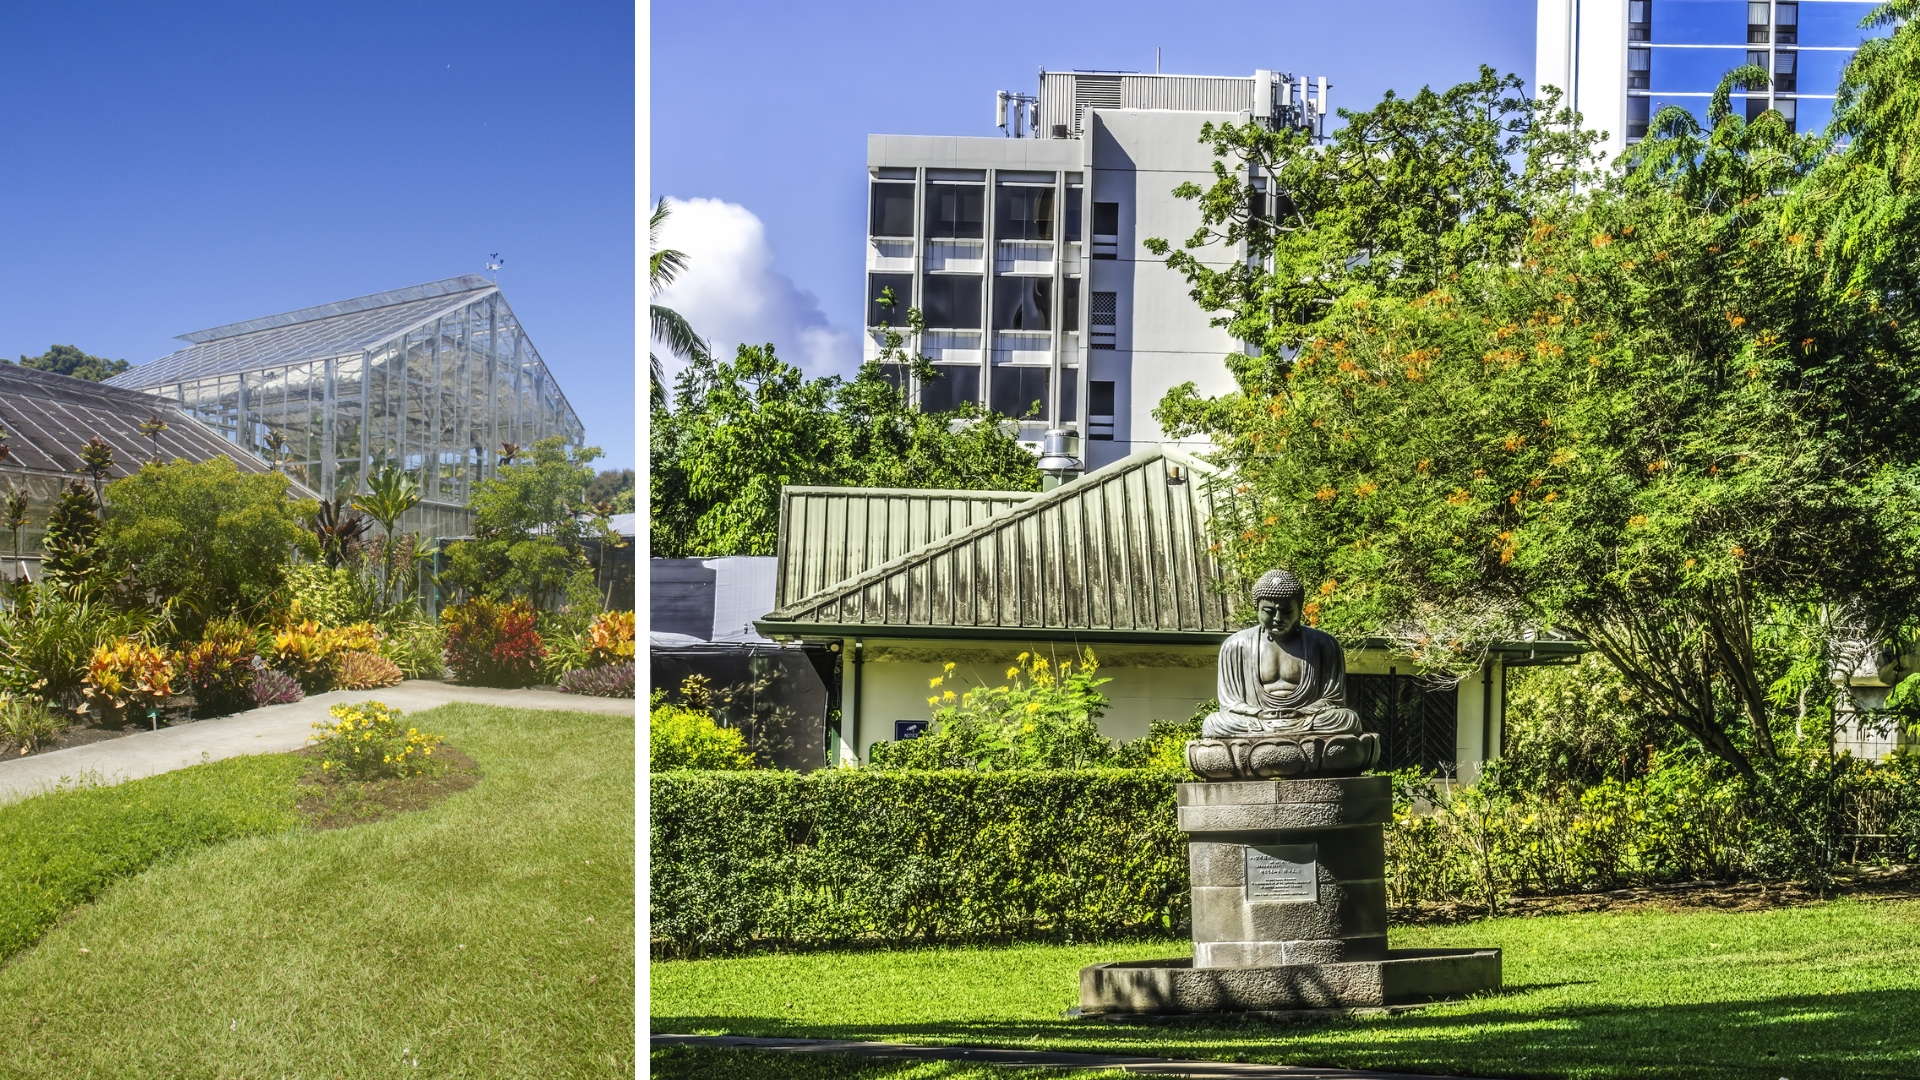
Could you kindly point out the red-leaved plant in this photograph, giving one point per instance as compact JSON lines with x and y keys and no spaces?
{"x":493,"y":644}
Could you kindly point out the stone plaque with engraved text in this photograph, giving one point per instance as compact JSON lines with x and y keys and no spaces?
{"x":1284,"y":873}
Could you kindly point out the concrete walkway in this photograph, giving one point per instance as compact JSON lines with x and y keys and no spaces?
{"x":1036,"y":1059}
{"x":272,"y":730}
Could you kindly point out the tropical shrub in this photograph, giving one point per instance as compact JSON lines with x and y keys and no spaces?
{"x":307,"y":650}
{"x":1046,"y":717}
{"x":215,"y":539}
{"x":129,"y":674}
{"x":47,"y":639}
{"x":489,"y":643}
{"x":861,"y":856}
{"x":679,"y":737}
{"x":415,"y":647}
{"x":366,"y":742}
{"x":364,"y":671}
{"x":610,"y":638}
{"x":607,"y":680}
{"x":332,"y":596}
{"x":27,"y":724}
{"x":272,"y":687}
{"x":218,"y":669}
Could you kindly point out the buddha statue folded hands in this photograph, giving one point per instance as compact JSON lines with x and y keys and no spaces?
{"x":1282,"y":698}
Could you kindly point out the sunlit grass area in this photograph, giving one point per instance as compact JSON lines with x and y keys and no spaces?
{"x":1825,"y":990}
{"x":490,"y":935}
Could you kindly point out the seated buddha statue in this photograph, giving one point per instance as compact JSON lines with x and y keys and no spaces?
{"x":1279,"y":676}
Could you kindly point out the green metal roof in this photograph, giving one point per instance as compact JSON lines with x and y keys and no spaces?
{"x":1120,"y":554}
{"x":829,"y":535}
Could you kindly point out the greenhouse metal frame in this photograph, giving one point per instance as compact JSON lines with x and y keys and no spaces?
{"x":434,"y":379}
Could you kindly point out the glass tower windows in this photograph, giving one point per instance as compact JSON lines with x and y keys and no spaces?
{"x":1023,"y":213}
{"x":1022,"y":303}
{"x":1639,"y":67}
{"x":1783,"y":71}
{"x":1639,"y":20}
{"x":1786,"y":24}
{"x":951,"y":385}
{"x":951,"y":301}
{"x":898,"y":288}
{"x":956,"y":211}
{"x":1020,"y":391}
{"x":892,"y":210}
{"x":1759,"y":21}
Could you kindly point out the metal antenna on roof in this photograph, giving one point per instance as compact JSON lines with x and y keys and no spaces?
{"x":494,"y":263}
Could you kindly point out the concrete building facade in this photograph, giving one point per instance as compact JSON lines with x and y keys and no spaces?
{"x":1026,"y":255}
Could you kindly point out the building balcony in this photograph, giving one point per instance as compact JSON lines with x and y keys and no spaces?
{"x":957,"y":256}
{"x":1022,"y":347}
{"x":885,"y":253}
{"x":1024,"y":257}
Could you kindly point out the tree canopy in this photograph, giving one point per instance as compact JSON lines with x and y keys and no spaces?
{"x":69,"y":360}
{"x":739,"y":431}
{"x":1668,"y":409}
{"x":204,"y":535}
{"x":530,"y":525}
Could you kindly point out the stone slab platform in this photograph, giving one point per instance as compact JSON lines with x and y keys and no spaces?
{"x":1406,"y":976}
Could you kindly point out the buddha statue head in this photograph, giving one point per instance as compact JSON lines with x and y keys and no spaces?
{"x":1278,"y":597}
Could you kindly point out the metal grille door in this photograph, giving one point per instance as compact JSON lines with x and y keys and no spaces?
{"x":1416,"y":723}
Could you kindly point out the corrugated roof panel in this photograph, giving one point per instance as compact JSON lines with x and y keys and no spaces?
{"x":1120,"y":551}
{"x":831,"y":535}
{"x":49,"y":417}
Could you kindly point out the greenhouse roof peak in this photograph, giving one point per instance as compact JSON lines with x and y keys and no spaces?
{"x":465,"y":283}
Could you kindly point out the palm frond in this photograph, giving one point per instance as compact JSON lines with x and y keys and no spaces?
{"x":672,"y":329}
{"x":663,"y":264}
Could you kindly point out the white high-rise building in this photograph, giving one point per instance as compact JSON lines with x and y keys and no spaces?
{"x":1025,"y":252}
{"x":1621,"y":61}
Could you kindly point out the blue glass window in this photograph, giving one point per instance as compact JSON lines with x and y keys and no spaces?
{"x":1835,"y":24}
{"x":1820,"y":71}
{"x":1693,"y":70}
{"x":1702,"y":22}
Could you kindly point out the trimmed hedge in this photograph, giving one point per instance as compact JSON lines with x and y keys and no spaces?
{"x":849,"y":857}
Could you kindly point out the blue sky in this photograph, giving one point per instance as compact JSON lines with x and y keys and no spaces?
{"x":170,"y":167}
{"x":761,"y":111}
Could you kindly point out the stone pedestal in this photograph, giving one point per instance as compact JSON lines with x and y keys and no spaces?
{"x":1289,"y":909}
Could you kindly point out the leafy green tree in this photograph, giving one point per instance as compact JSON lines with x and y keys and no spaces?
{"x":529,"y":525}
{"x":738,"y":432}
{"x":1650,"y":411}
{"x":212,"y":539}
{"x":614,"y":487}
{"x":69,"y":360}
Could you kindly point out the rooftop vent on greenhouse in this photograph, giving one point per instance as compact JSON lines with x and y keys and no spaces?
{"x":434,"y":378}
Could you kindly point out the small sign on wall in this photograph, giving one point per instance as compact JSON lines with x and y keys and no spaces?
{"x":1283,"y":873}
{"x":909,"y":729}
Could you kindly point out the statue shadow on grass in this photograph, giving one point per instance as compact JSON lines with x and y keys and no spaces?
{"x":1857,"y":1035}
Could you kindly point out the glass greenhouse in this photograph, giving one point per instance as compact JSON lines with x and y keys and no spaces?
{"x":433,"y":378}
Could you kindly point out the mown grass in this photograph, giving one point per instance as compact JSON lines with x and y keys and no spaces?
{"x":490,"y":935}
{"x":720,"y":1063}
{"x":59,"y":850}
{"x":1826,"y":990}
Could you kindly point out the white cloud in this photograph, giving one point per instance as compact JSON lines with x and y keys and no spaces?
{"x":731,"y":294}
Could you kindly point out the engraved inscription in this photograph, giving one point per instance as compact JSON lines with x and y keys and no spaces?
{"x":1286,"y":873}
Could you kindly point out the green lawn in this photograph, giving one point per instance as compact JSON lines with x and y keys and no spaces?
{"x":703,"y":1063}
{"x":1830,"y":990}
{"x":491,"y":935}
